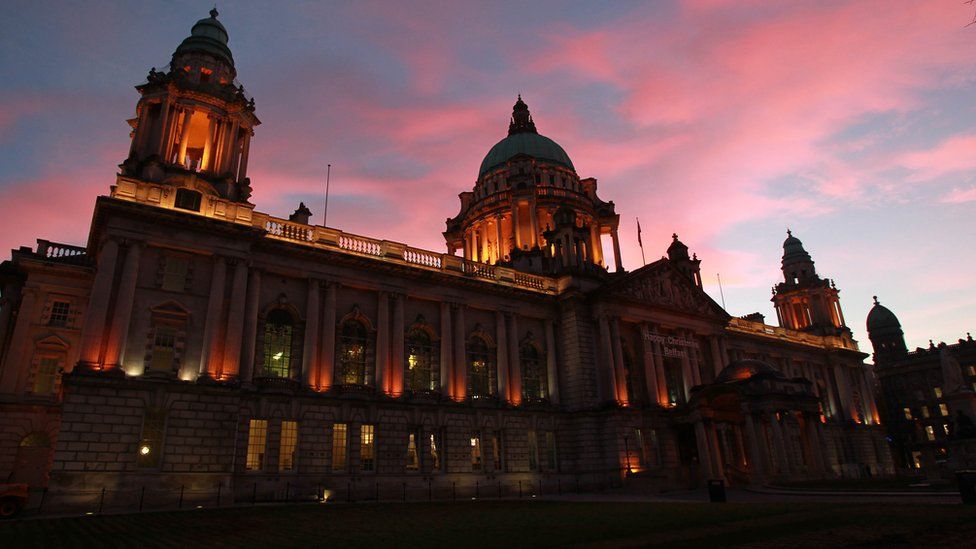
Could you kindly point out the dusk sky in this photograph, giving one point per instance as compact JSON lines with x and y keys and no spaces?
{"x":726,"y":121}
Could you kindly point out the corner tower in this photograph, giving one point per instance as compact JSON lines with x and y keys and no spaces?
{"x":804,"y":301}
{"x":530,"y":210}
{"x":885,"y":334}
{"x":194,"y":121}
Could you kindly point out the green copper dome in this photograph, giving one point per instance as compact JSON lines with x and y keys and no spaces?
{"x":207,"y":35}
{"x":881,"y":318}
{"x":524,"y":139}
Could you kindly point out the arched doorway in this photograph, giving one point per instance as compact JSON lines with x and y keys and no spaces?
{"x":32,"y":460}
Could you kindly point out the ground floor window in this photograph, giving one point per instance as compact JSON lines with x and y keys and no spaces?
{"x":367,"y":447}
{"x":257,"y":442}
{"x":289,"y":442}
{"x":413,"y":457}
{"x":533,"y":443}
{"x":151,"y":443}
{"x":476,"y":452}
{"x":47,"y":370}
{"x":340,"y":437}
{"x":435,"y":453}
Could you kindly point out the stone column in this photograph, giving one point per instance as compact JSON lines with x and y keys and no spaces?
{"x":704,"y":456}
{"x":694,"y":359}
{"x":310,"y":354}
{"x":867,"y":396}
{"x":618,"y":262}
{"x":181,"y":156}
{"x":688,"y":377}
{"x":713,"y":443}
{"x":500,"y":246}
{"x":846,"y":408}
{"x":242,"y":171}
{"x":17,"y":363}
{"x":206,"y":161}
{"x":159,"y":146}
{"x":93,"y":328}
{"x":619,"y":370}
{"x":501,"y":351}
{"x":757,"y":459}
{"x":662,"y":379}
{"x":211,"y":325}
{"x":515,"y":225}
{"x":534,"y":224}
{"x":460,"y":360}
{"x":607,"y":373}
{"x":650,"y":371}
{"x":740,"y":445}
{"x":551,"y":368}
{"x":447,"y":352}
{"x":514,"y":365}
{"x":383,"y":343}
{"x":235,"y":323}
{"x":782,"y":457}
{"x":717,"y":360}
{"x":813,"y":443}
{"x":397,"y":354}
{"x":596,"y":246}
{"x":251,"y":325}
{"x":122,"y":319}
{"x":327,"y":354}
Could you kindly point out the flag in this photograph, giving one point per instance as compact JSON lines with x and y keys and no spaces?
{"x":641,"y":244}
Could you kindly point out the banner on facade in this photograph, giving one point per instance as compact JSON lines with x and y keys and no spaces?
{"x":671,"y":346}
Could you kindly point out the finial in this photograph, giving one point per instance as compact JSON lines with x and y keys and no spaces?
{"x":674,"y":236}
{"x":876,"y":302}
{"x":789,"y":232}
{"x":931,"y":345}
{"x":969,"y":336}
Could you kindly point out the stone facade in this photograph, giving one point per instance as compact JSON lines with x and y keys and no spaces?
{"x":210,"y":344}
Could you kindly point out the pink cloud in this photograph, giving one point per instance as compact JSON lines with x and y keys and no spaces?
{"x":952,"y":155}
{"x":959,"y":196}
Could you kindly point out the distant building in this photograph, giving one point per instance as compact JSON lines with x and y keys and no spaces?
{"x":196,"y":340}
{"x":916,"y":411}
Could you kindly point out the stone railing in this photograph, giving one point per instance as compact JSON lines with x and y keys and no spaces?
{"x":55,"y":250}
{"x":775,"y":332}
{"x":360,"y":244}
{"x":289,"y":231}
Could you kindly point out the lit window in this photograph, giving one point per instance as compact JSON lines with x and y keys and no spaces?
{"x":551,"y":450}
{"x":151,"y":443}
{"x":481,"y":369}
{"x":413,"y":457}
{"x":289,"y":442}
{"x":205,"y":74}
{"x":929,"y":432}
{"x":367,"y":448}
{"x":339,"y":445}
{"x":917,"y":460}
{"x":908,"y":413}
{"x":47,"y":369}
{"x":925,"y":411}
{"x":188,"y":200}
{"x":435,"y":460}
{"x":496,"y":450}
{"x":257,"y":438}
{"x":278,"y":330}
{"x":422,"y":362}
{"x":59,"y":313}
{"x":476,"y":453}
{"x":174,"y":274}
{"x":163,"y":349}
{"x":639,"y":442}
{"x":533,"y":373}
{"x":533,"y":452}
{"x":937,"y":391}
{"x":352,"y":354}
{"x":943,"y":409}
{"x":945,"y":428}
{"x":971,"y":370}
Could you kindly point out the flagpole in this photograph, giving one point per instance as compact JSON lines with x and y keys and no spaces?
{"x":720,"y":292}
{"x":328,"y":177}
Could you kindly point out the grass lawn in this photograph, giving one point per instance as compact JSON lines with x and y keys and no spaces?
{"x":897,"y":484}
{"x":511,"y":524}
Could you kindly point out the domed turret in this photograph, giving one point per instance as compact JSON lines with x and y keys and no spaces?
{"x":678,"y":255}
{"x":885,"y":334}
{"x":804,"y":301}
{"x":797,"y":263}
{"x":523,"y":181}
{"x":207,"y":36}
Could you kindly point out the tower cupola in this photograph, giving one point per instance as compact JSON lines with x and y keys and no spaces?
{"x":804,"y":301}
{"x":678,"y":256}
{"x":885,"y":334}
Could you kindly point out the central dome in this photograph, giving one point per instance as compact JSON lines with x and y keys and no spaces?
{"x":524,"y":139}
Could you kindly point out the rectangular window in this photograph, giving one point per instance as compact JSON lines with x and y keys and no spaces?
{"x":943,"y":409}
{"x":929,"y":432}
{"x":340,"y":441}
{"x":496,"y":450}
{"x":908,"y":413}
{"x":435,"y":454}
{"x":937,"y":391}
{"x":639,"y":442}
{"x":917,"y":460}
{"x":151,"y":443}
{"x":476,"y":452}
{"x":47,"y":369}
{"x":174,"y":273}
{"x":59,"y":313}
{"x":925,"y":411}
{"x":257,"y":441}
{"x":289,"y":442}
{"x":367,"y":448}
{"x":945,"y":428}
{"x":163,"y":350}
{"x":533,"y":452}
{"x":550,"y":450}
{"x":971,"y":370}
{"x":413,"y":457}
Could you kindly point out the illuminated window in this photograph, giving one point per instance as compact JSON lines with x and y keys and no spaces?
{"x":188,"y":200}
{"x":550,"y":451}
{"x":205,"y":74}
{"x":340,"y":441}
{"x":352,"y":353}
{"x":150,"y":446}
{"x":937,"y":391}
{"x":481,"y":369}
{"x":174,"y":273}
{"x":367,"y":448}
{"x":163,"y":349}
{"x":197,"y":136}
{"x":639,"y":442}
{"x":289,"y":442}
{"x":423,"y":371}
{"x":925,"y":411}
{"x":476,"y":452}
{"x":47,"y":371}
{"x":534,"y":385}
{"x":533,"y":452}
{"x":435,"y":454}
{"x":496,"y":451}
{"x":929,"y":432}
{"x":413,"y":457}
{"x":674,"y":378}
{"x":257,"y":439}
{"x":59,"y":313}
{"x":971,"y":370}
{"x":917,"y":460}
{"x":943,"y":409}
{"x":908,"y":413}
{"x":278,"y":330}
{"x":945,"y":428}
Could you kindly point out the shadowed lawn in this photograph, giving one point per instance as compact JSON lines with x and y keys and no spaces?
{"x":874,"y":484}
{"x":511,"y":524}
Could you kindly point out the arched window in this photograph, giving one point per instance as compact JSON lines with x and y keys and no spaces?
{"x":352,"y":353}
{"x":534,"y":383}
{"x":481,"y":369}
{"x":279,"y":330}
{"x":422,"y":364}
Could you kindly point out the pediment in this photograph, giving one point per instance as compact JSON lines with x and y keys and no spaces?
{"x":661,"y":285}
{"x":52,"y":341}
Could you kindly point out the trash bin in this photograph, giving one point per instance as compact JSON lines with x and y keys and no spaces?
{"x":966,"y":479}
{"x":716,"y":491}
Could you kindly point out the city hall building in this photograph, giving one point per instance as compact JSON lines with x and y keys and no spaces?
{"x":198,"y":341}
